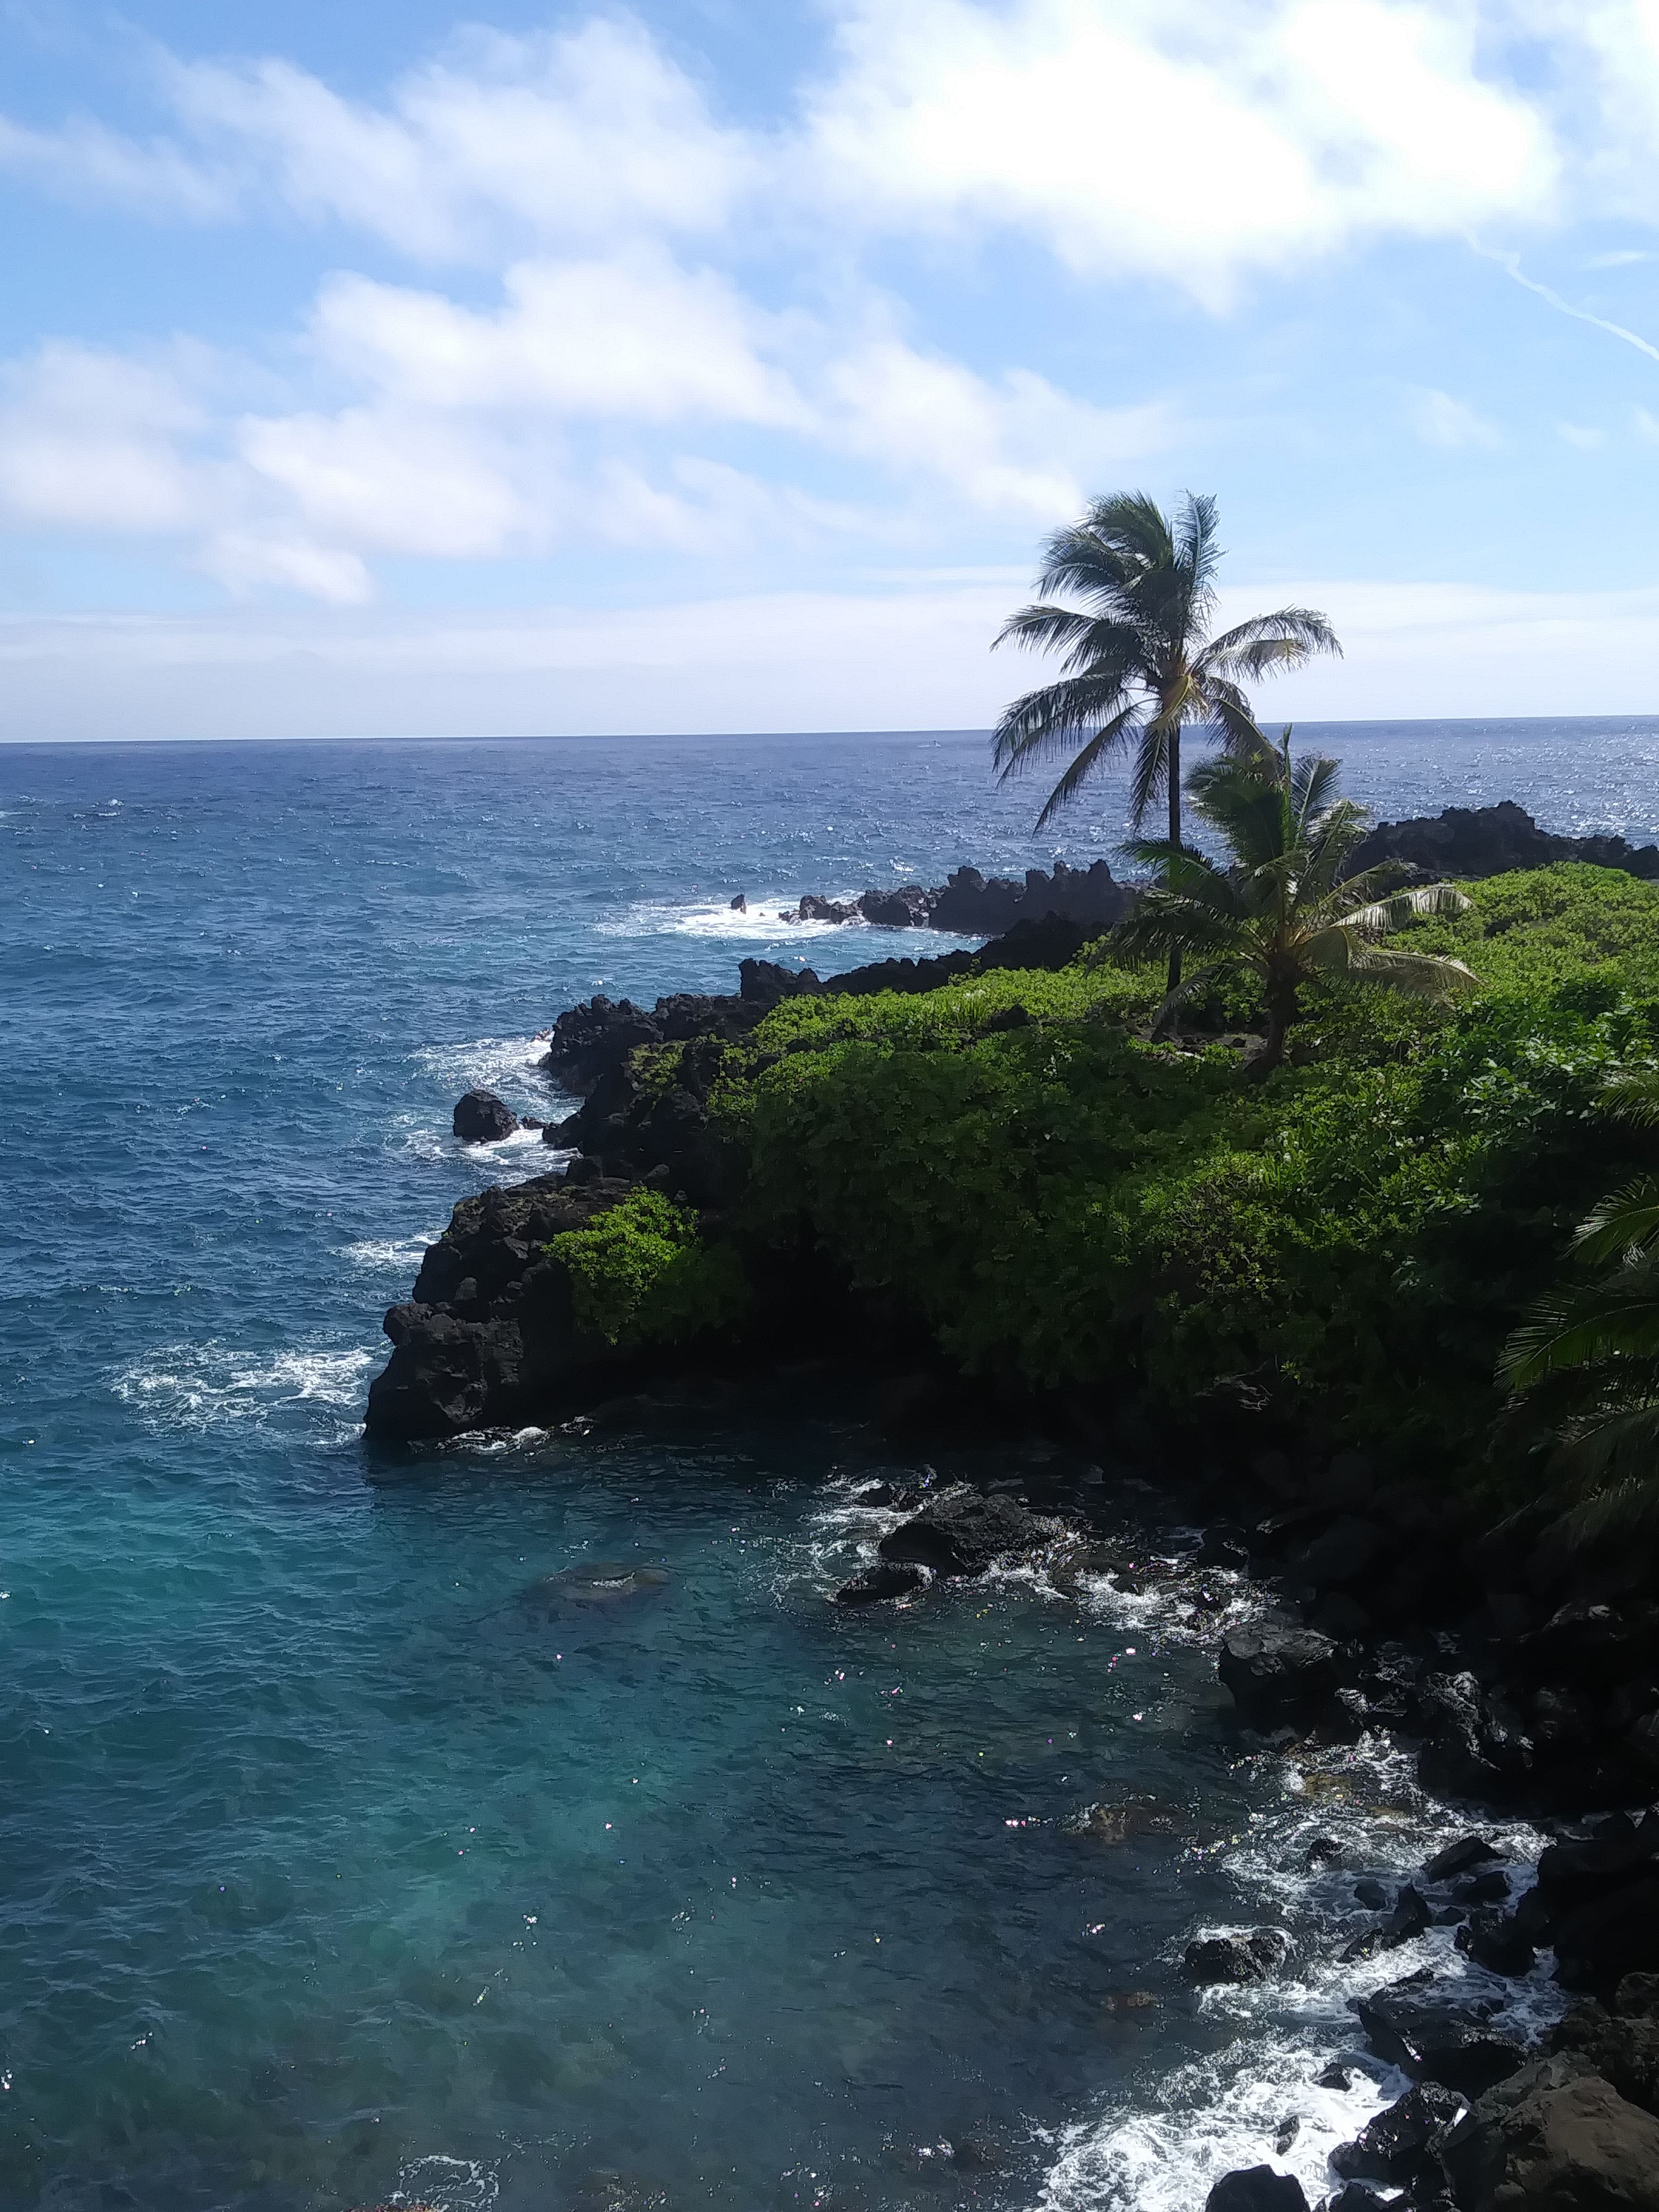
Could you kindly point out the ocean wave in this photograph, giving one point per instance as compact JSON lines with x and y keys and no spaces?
{"x":379,"y":1256}
{"x":199,"y":1386}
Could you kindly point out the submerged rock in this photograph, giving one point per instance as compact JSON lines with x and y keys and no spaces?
{"x":602,"y":1583}
{"x":885,"y":1579}
{"x":481,"y":1119}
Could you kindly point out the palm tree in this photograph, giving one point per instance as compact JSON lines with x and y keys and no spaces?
{"x":1586,"y":1359}
{"x":1281,"y":911}
{"x":1138,"y":660}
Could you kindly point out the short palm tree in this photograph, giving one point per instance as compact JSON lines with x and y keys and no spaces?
{"x":1586,"y":1359}
{"x":1281,"y":910}
{"x":1139,"y":661}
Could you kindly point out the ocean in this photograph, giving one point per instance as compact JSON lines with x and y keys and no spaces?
{"x":336,"y":1872}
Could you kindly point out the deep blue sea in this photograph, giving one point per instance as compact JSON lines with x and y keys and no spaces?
{"x":336,"y":1875}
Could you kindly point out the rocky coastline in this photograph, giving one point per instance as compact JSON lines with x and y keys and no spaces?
{"x":1470,"y":842}
{"x":1524,"y":1682}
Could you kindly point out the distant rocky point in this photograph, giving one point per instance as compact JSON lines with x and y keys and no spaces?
{"x":970,"y":904}
{"x":1489,"y":841}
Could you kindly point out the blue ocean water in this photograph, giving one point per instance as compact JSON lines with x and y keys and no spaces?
{"x":333,"y":1871}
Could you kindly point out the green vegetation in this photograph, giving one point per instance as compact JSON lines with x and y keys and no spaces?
{"x":1065,"y":1202}
{"x":1278,"y":911}
{"x":1586,"y":1359}
{"x":642,"y":1272}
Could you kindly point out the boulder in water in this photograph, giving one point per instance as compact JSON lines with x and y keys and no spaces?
{"x":1235,"y":1959}
{"x":1425,"y":2027}
{"x":481,"y":1119}
{"x":962,"y":1532}
{"x":1256,"y":2189}
{"x":1278,"y":1674}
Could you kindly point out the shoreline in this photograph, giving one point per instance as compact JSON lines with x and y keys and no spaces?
{"x":1396,"y":1611}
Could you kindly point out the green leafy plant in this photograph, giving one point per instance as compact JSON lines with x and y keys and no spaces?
{"x":1280,"y":910}
{"x":1585,"y":1362}
{"x":642,"y":1272}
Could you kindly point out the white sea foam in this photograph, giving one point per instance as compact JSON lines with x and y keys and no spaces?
{"x":761,"y":923}
{"x":1198,"y":2122}
{"x":448,"y":2185}
{"x":198,"y":1386}
{"x":379,"y":1256}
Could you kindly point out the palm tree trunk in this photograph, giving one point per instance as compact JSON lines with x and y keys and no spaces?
{"x":1175,"y":831}
{"x":1282,"y":1011}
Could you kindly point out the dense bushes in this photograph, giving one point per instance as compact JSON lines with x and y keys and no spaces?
{"x":1064,"y":1204}
{"x":642,"y":1272}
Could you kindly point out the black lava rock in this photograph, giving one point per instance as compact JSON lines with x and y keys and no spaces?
{"x":1435,"y":2035}
{"x":481,"y":1119}
{"x":1494,"y":1941}
{"x":885,"y":1579}
{"x":963,"y":1531}
{"x":1256,"y":2189}
{"x":1237,"y":1959}
{"x":1396,"y":2145}
{"x":1278,"y":1674}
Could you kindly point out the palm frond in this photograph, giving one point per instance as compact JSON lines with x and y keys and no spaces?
{"x":1088,"y":759}
{"x":1049,"y":721}
{"x":1384,"y":915}
{"x":1266,"y":642}
{"x":1625,"y":1222}
{"x":1428,"y":976}
{"x":1615,"y":1316}
{"x":1634,"y":1096}
{"x":1149,"y":782}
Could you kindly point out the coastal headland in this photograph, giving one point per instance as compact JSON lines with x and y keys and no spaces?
{"x":1002,"y":1201}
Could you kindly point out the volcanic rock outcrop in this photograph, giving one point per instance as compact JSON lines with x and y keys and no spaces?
{"x":1488,"y":840}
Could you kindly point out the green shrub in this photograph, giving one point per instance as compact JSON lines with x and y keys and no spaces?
{"x":641,"y":1272}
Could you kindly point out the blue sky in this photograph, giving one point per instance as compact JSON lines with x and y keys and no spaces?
{"x":713,"y":364}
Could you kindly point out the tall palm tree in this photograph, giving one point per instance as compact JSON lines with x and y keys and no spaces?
{"x":1585,"y":1361}
{"x":1139,"y":660}
{"x":1281,"y":911}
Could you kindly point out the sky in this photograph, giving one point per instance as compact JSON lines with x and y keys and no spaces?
{"x":721,"y":364}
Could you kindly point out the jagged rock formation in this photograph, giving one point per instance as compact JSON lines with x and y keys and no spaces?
{"x":1488,"y":840}
{"x":490,"y":1336}
{"x":970,"y":904}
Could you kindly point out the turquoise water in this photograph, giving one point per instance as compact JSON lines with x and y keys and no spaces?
{"x":333,"y":1867}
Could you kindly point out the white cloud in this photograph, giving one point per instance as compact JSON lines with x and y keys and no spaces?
{"x":587,"y":134}
{"x":1014,"y":448}
{"x":1577,"y":434}
{"x":1174,"y":138}
{"x":95,"y":441}
{"x":1440,"y":420}
{"x":633,"y":337}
